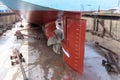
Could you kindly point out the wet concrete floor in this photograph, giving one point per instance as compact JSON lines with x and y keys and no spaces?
{"x":42,"y":63}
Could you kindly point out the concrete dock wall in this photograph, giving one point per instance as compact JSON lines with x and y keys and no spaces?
{"x":108,"y":42}
{"x":7,"y":19}
{"x":113,"y":24}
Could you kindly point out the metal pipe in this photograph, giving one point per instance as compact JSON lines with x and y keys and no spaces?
{"x":96,"y":43}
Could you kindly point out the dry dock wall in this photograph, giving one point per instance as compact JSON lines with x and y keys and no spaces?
{"x":7,"y":19}
{"x":108,"y":23}
{"x":106,"y":41}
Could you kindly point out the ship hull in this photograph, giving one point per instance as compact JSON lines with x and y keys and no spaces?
{"x":39,"y":17}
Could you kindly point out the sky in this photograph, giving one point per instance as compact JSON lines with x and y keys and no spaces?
{"x":77,"y":4}
{"x":83,"y":5}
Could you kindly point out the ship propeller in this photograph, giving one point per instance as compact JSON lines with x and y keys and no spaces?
{"x":56,"y":41}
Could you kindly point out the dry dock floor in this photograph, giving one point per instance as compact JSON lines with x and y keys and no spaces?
{"x":43,"y":64}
